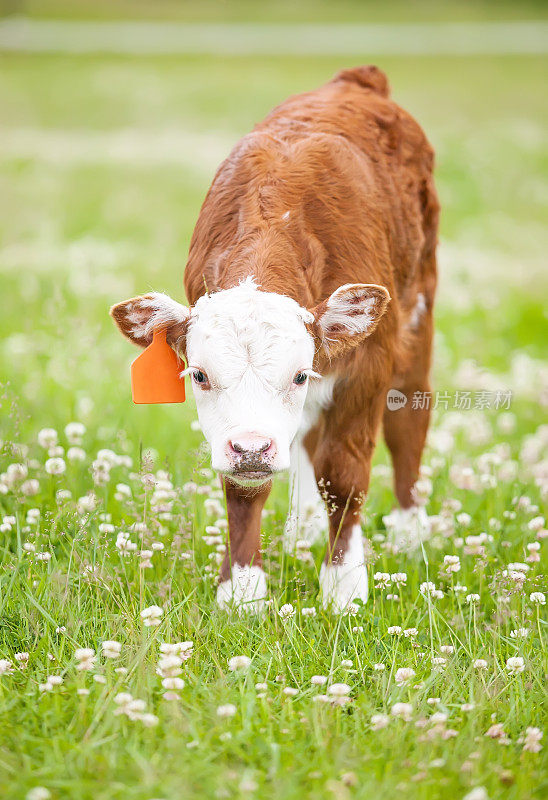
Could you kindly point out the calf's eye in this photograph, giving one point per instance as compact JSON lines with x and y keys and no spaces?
{"x":200,"y":378}
{"x":300,"y":378}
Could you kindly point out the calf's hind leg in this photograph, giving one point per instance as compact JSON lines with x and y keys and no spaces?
{"x":342,"y":463}
{"x":405,"y":429}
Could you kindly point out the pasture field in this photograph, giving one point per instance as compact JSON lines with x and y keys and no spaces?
{"x":436,"y":688}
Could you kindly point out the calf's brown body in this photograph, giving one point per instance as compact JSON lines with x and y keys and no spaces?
{"x":333,"y":187}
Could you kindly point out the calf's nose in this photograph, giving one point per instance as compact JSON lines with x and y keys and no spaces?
{"x":252,"y":444}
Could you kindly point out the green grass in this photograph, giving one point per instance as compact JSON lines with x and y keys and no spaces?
{"x":103,"y":164}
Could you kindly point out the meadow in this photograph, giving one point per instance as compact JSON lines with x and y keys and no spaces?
{"x":119,"y":678}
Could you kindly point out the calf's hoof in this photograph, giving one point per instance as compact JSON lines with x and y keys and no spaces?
{"x":344,"y":581}
{"x":245,"y":590}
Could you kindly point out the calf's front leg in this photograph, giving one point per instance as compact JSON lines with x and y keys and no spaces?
{"x":242,"y":582}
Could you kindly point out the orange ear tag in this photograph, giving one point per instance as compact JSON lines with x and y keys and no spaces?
{"x":155,"y":373}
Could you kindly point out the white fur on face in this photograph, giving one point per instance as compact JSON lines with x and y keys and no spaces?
{"x":346,"y":581}
{"x":250,"y":344}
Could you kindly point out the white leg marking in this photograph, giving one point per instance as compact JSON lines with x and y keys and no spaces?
{"x":408,"y":527}
{"x":245,"y":590}
{"x":342,"y":583}
{"x":307,"y":518}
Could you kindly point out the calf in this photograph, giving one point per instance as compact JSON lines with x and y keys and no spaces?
{"x":311,"y":280}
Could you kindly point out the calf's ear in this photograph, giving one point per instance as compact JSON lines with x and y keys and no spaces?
{"x":138,"y":317}
{"x":349,"y":315}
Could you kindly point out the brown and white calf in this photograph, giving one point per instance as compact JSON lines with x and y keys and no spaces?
{"x":311,"y":280}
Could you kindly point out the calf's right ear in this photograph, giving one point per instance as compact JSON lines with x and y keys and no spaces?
{"x":138,"y":317}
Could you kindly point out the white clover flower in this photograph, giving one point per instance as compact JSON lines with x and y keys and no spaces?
{"x":173,"y":683}
{"x":404,"y":675}
{"x":86,"y":658}
{"x":379,"y":721}
{"x":31,"y":487}
{"x":149,"y":720}
{"x":477,"y":793}
{"x":45,"y":556}
{"x":33,"y":516}
{"x":520,"y":633}
{"x":76,"y":454}
{"x":108,"y":456}
{"x":290,"y":691}
{"x":318,"y":680}
{"x":448,"y":649}
{"x":182,"y":649}
{"x":38,"y":793}
{"x":6,"y":667}
{"x":47,"y":438}
{"x":536,"y":524}
{"x":538,"y":597}
{"x":111,"y":649}
{"x":55,"y":466}
{"x":515,"y":665}
{"x":480,"y":663}
{"x":239,"y":663}
{"x":395,"y":630}
{"x":286,"y":612}
{"x":152,"y":616}
{"x":472,"y":599}
{"x":169,"y":666}
{"x":379,"y":667}
{"x":464,"y":519}
{"x":106,"y":527}
{"x":87,"y":503}
{"x":74,"y":431}
{"x":227,"y":710}
{"x":382,"y":580}
{"x":339,"y":690}
{"x":451,"y":563}
{"x":346,"y":663}
{"x":433,"y":701}
{"x":409,"y":633}
{"x":402,"y":711}
{"x":399,"y":578}
{"x":531,"y":740}
{"x":22,"y":659}
{"x":309,"y":612}
{"x":496,"y":731}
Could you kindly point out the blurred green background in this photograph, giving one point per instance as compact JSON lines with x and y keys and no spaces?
{"x":105,"y":159}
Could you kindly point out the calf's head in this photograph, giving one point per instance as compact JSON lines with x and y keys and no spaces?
{"x":251,"y":355}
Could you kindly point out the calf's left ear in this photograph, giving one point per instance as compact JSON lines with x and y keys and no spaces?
{"x":349,"y":315}
{"x":138,"y":317}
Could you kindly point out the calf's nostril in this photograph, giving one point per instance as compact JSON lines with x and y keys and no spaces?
{"x":250,"y":447}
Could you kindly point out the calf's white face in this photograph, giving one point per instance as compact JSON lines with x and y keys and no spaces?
{"x":250,"y":359}
{"x":250,"y":356}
